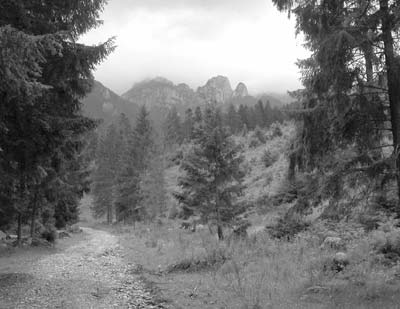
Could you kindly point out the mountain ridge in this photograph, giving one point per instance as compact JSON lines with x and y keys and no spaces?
{"x":160,"y":95}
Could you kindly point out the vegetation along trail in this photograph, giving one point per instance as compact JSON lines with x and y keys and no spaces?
{"x":87,"y":274}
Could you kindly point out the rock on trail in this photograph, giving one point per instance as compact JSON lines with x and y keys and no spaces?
{"x":90,"y":274}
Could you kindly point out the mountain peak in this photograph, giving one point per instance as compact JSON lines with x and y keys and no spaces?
{"x":217,"y":89}
{"x":162,"y":80}
{"x":240,"y":91}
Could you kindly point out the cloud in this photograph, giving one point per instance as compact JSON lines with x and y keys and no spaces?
{"x":190,"y":41}
{"x":239,"y":6}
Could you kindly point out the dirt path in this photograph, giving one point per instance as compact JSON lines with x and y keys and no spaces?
{"x":89,"y":274}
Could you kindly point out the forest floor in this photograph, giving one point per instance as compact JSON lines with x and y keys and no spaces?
{"x":84,"y":271}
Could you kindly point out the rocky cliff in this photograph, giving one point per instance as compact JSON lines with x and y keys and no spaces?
{"x":160,"y":92}
{"x":217,"y":90}
{"x":240,"y":91}
{"x":160,"y":95}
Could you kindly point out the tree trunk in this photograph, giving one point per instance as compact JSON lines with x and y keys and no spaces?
{"x":220,"y":233}
{"x":22,"y":204}
{"x":109,"y":214}
{"x":393,"y":85}
{"x":291,"y":169}
{"x":19,"y":229}
{"x":219,"y":221}
{"x":369,"y":67}
{"x":33,"y":214}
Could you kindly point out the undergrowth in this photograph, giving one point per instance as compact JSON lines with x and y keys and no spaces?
{"x":263,"y":272}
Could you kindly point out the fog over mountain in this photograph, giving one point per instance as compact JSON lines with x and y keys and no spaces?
{"x":159,"y":95}
{"x":192,"y":40}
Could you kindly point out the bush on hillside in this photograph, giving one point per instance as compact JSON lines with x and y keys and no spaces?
{"x":387,"y":243}
{"x":288,"y":227}
{"x":370,"y":221}
{"x":276,"y":130}
{"x":50,"y":234}
{"x":268,"y":158}
{"x":260,"y":135}
{"x":254,"y":142}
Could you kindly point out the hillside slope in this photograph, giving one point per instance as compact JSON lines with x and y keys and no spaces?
{"x":103,"y":103}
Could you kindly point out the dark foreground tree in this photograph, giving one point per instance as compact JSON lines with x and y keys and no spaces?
{"x":212,"y":175}
{"x":352,"y":95}
{"x":44,"y":73}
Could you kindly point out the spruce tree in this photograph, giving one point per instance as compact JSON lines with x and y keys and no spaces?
{"x":152,"y":189}
{"x":243,"y":113}
{"x":233,"y":120}
{"x":44,"y":73}
{"x":188,"y":125}
{"x":259,"y":112}
{"x":351,"y":97}
{"x":105,"y":175}
{"x":136,"y":161}
{"x":173,"y":128}
{"x":213,"y":176}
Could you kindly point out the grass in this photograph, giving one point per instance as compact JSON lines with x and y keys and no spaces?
{"x":195,"y":270}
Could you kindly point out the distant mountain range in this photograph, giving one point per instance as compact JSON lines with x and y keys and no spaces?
{"x":160,"y":95}
{"x":103,"y":103}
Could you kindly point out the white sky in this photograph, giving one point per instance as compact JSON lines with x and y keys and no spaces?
{"x":192,"y":40}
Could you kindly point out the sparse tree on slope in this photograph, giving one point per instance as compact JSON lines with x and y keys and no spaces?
{"x":173,"y":128}
{"x":152,"y":189}
{"x":135,"y":164}
{"x":213,"y":177}
{"x":188,"y":125}
{"x":105,"y":175}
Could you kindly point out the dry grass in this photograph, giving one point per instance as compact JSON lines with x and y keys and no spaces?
{"x":195,"y":270}
{"x":258,"y":272}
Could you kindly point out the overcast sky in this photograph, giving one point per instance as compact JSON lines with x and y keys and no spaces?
{"x":192,"y":40}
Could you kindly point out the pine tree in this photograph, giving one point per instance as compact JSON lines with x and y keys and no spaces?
{"x":213,"y":175}
{"x":173,"y":128}
{"x":259,"y":112}
{"x":105,"y":175}
{"x":43,"y":75}
{"x":74,"y":180}
{"x":143,"y":139}
{"x":351,"y":83}
{"x":136,"y":161}
{"x":233,"y":120}
{"x":243,"y":113}
{"x":268,"y":117}
{"x":152,"y":189}
{"x":188,"y":125}
{"x":198,"y":115}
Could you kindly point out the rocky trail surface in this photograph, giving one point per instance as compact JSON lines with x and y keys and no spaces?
{"x":88,"y":274}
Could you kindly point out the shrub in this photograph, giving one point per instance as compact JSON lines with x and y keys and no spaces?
{"x":276,"y":130}
{"x":50,"y":235}
{"x":288,"y":226}
{"x":151,"y":243}
{"x":211,"y":260}
{"x":268,"y":158}
{"x":259,"y":134}
{"x":173,"y":212}
{"x":369,"y":222}
{"x":254,"y":142}
{"x":387,"y":243}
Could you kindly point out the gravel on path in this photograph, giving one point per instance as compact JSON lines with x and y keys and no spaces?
{"x":90,"y":274}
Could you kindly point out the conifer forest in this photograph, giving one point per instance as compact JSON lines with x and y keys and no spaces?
{"x":280,"y":192}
